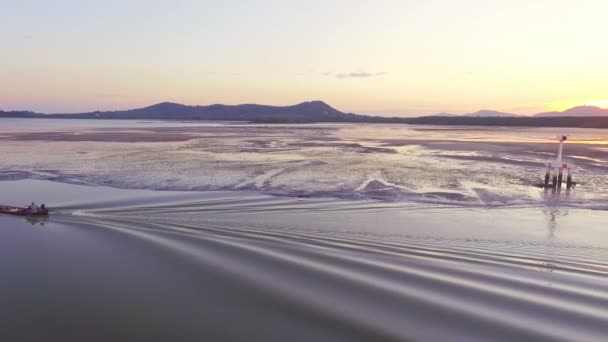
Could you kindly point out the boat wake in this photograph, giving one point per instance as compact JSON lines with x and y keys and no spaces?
{"x":395,"y":281}
{"x":346,"y":269}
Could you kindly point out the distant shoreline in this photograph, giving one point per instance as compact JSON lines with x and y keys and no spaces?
{"x":565,"y":122}
{"x":319,"y":111}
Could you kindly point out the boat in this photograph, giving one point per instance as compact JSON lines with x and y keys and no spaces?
{"x":10,"y":210}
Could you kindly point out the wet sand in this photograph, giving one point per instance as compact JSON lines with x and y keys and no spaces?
{"x":393,"y":163}
{"x":112,"y":264}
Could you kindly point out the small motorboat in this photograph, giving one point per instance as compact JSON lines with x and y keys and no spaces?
{"x":5,"y":209}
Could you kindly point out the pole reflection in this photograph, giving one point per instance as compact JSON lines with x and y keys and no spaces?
{"x":553,"y":208}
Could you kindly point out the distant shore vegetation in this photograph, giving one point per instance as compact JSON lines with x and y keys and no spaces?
{"x":318,"y":111}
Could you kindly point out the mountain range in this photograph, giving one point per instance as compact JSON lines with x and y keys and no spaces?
{"x":313,"y":111}
{"x":319,"y":111}
{"x":580,"y":111}
{"x":310,"y":111}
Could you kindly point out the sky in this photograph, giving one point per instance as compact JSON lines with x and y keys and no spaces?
{"x":382,"y":57}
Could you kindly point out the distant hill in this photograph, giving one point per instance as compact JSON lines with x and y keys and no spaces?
{"x":529,"y":121}
{"x":319,"y":111}
{"x":580,"y":111}
{"x":313,"y":111}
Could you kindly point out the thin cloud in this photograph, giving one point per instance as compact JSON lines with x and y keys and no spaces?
{"x":358,"y":74}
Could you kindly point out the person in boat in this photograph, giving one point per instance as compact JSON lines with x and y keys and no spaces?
{"x":33,"y":208}
{"x":43,"y":207}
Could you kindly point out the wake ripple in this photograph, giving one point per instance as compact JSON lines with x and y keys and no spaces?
{"x":398,"y":286}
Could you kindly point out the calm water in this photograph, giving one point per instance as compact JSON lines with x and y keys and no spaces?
{"x":155,"y":265}
{"x":379,"y":232}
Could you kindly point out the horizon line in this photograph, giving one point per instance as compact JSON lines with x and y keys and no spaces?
{"x":405,"y":115}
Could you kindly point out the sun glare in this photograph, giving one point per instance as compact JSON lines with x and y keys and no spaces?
{"x":600,"y":103}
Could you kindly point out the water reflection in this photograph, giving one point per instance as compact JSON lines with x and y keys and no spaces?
{"x":40,"y":221}
{"x":553,"y":210}
{"x":553,"y":198}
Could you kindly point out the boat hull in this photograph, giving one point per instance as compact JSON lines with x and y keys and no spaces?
{"x":9,"y":210}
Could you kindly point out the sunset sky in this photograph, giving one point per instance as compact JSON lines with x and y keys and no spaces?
{"x":380,"y":57}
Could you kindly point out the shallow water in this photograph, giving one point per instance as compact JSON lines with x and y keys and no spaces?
{"x":393,"y":163}
{"x":140,"y":264}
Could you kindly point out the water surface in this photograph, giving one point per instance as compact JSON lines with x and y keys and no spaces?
{"x":197,"y":231}
{"x":141,"y":264}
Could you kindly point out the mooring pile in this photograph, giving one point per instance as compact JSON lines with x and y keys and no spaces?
{"x":557,"y":168}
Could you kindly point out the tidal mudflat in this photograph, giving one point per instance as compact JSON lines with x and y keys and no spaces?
{"x":444,"y":165}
